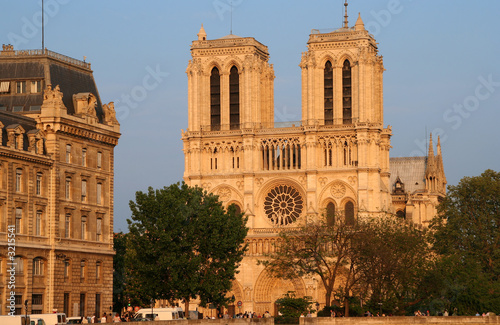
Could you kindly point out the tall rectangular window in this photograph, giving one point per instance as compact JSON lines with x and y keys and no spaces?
{"x":38,"y":183}
{"x":84,"y":157}
{"x":66,"y":303}
{"x":82,"y":305}
{"x":98,"y":270}
{"x":66,"y":268}
{"x":19,"y":216}
{"x":19,"y":177}
{"x":68,"y":153}
{"x":99,"y":193}
{"x":99,"y":159}
{"x":82,"y":270}
{"x":98,"y":304}
{"x":68,"y":188}
{"x":84,"y":227}
{"x":98,"y":229}
{"x":38,"y":223}
{"x":67,"y":226}
{"x":21,"y":87}
{"x":84,"y":190}
{"x":19,"y":264}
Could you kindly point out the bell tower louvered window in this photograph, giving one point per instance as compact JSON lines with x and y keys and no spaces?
{"x":346,"y":93}
{"x":328,"y":93}
{"x":215,"y":100}
{"x":234,"y":99}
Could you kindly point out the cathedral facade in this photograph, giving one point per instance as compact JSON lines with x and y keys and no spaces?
{"x":335,"y":161}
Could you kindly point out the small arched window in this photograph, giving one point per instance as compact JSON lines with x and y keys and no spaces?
{"x":328,"y":93}
{"x":349,"y":213}
{"x":215,"y":100}
{"x":401,"y":214}
{"x":346,"y":93}
{"x":330,"y":214}
{"x":234,"y":98}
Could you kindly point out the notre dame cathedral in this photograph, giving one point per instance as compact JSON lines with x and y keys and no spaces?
{"x":334,"y":161}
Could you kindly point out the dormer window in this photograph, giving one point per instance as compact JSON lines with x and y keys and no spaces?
{"x":21,"y":87}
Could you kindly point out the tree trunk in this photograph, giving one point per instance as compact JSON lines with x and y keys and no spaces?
{"x":346,"y":307}
{"x":186,"y":308}
{"x":328,"y":297}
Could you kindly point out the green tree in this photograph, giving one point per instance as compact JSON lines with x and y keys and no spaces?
{"x":467,"y":238}
{"x":393,"y":257}
{"x":183,"y":244}
{"x":290,"y":307}
{"x":317,"y":248}
{"x":119,"y":299}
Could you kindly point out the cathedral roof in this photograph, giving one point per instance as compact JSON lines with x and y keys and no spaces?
{"x":410,"y":170}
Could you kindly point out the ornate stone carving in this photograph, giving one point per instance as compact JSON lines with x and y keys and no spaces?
{"x":110,"y":114}
{"x":52,"y":98}
{"x":206,"y":186}
{"x":224,"y":193}
{"x":240,"y":185}
{"x":85,"y":104}
{"x":323,"y":180}
{"x":338,"y":190}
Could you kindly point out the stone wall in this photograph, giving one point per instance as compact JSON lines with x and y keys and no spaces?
{"x":339,"y":321}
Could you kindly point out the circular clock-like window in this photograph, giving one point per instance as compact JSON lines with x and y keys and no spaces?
{"x":283,"y":205}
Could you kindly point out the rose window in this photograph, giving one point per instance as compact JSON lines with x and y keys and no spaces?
{"x":283,"y":205}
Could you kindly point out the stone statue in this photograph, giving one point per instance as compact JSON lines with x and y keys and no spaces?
{"x":110,"y":114}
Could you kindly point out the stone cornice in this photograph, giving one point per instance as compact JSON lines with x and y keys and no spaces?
{"x":98,"y":132}
{"x":26,"y":156}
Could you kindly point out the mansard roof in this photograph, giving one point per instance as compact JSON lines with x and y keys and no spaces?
{"x":73,"y":76}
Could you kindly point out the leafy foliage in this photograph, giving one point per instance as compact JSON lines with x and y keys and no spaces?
{"x":291,"y":307}
{"x":467,"y":237}
{"x":393,"y":257}
{"x":317,"y":248}
{"x":183,"y":244}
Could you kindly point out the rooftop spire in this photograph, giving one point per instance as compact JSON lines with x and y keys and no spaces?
{"x":359,"y":23}
{"x":202,"y":35}
{"x":439,"y":146}
{"x":431,"y":148}
{"x":346,"y":25}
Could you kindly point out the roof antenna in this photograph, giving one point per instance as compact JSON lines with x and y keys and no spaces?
{"x":43,"y":31}
{"x":346,"y":25}
{"x":231,"y":29}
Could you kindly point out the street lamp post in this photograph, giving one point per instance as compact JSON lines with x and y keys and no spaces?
{"x":152,"y":314}
{"x":26,"y":312}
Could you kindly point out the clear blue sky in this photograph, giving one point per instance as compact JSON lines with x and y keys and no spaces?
{"x":442,"y":61}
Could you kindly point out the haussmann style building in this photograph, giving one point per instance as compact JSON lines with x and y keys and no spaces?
{"x":56,"y":186}
{"x":334,"y":161}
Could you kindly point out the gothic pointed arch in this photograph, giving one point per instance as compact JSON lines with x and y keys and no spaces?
{"x":268,"y":289}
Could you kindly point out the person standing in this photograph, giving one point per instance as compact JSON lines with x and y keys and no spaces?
{"x":103,"y":318}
